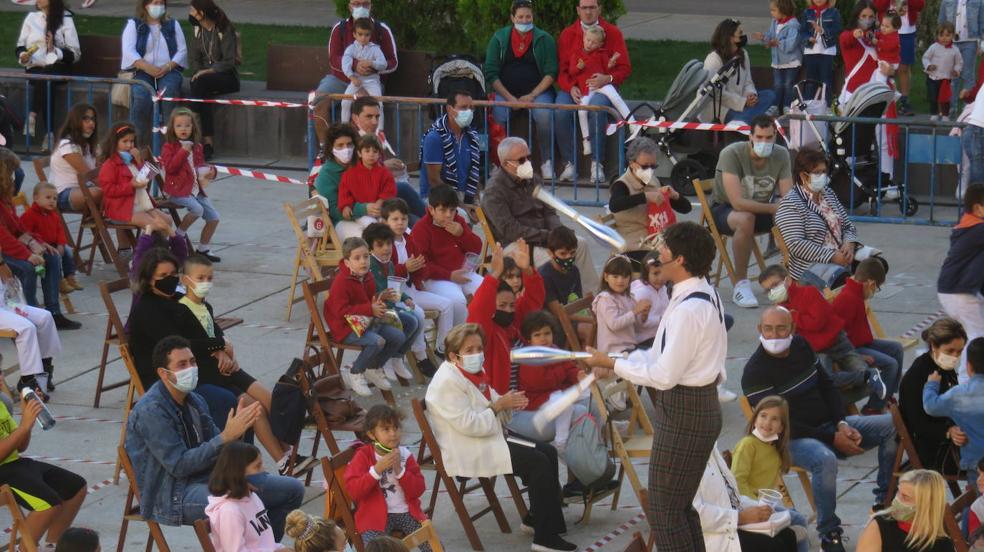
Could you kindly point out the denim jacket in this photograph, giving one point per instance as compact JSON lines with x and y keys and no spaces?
{"x":163,"y":464}
{"x":964,"y":406}
{"x":788,"y":50}
{"x":975,"y":16}
{"x":830,"y":24}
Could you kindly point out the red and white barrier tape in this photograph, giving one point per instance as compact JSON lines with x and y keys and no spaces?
{"x":257,"y":174}
{"x":252,"y":103}
{"x":607,"y":539}
{"x":315,"y":171}
{"x":680,"y":125}
{"x":924,"y":324}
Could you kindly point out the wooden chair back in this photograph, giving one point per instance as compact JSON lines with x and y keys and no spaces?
{"x":101,"y":239}
{"x":19,"y":532}
{"x":781,"y":244}
{"x":338,"y":505}
{"x":427,"y":534}
{"x":485,"y":255}
{"x":955,"y":511}
{"x":637,"y":544}
{"x":131,"y":508}
{"x":907,"y":447}
{"x":203,"y":531}
{"x":571,"y":316}
{"x":312,"y":253}
{"x":720,"y":239}
{"x":115,"y":334}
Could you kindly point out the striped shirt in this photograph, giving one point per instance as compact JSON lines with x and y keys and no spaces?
{"x":806,"y":232}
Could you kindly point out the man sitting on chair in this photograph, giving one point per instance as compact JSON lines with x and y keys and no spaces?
{"x":745,"y":183}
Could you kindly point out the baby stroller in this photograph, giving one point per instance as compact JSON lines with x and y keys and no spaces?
{"x":456,"y":72}
{"x":810,"y":135}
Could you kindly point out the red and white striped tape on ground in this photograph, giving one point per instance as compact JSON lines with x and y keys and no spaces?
{"x":924,"y":324}
{"x":257,"y":175}
{"x":69,"y":460}
{"x":607,"y":539}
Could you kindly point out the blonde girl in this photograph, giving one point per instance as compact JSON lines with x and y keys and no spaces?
{"x":914,"y":521}
{"x":619,"y":315}
{"x":314,"y":534}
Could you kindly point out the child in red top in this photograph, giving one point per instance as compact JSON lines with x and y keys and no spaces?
{"x":814,"y":319}
{"x":384,"y":480}
{"x":594,"y":59}
{"x":42,"y":220}
{"x":363,"y":189}
{"x":125,"y":195}
{"x":356,"y":315}
{"x":887,"y":43}
{"x":183,"y":160}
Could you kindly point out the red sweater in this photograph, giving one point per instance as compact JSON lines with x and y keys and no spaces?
{"x":179,"y":178}
{"x":421,"y":275}
{"x":595,"y":61}
{"x":540,"y":381}
{"x":361,"y":185}
{"x":444,"y":253}
{"x":814,"y":317}
{"x":349,"y":294}
{"x":45,"y":224}
{"x":116,"y":182}
{"x":365,"y":491}
{"x":10,"y":231}
{"x":889,"y":48}
{"x":572,"y":40}
{"x":499,"y":340}
{"x":849,"y":306}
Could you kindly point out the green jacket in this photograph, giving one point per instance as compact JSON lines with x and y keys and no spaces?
{"x":544,"y":52}
{"x":327,"y":186}
{"x":380,"y":273}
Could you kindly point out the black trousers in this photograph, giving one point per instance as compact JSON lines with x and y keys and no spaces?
{"x":39,"y":95}
{"x":209,"y":86}
{"x":932,"y":94}
{"x":784,"y":541}
{"x":537,"y":467}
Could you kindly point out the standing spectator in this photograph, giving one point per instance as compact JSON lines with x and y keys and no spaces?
{"x":967,"y":17}
{"x":572,"y":40}
{"x":449,"y":151}
{"x":153,"y":47}
{"x":212,"y":59}
{"x":739,"y":99}
{"x":783,"y":41}
{"x":909,"y":12}
{"x":819,"y":32}
{"x":942,"y":63}
{"x":48,"y":45}
{"x":521,"y":66}
{"x":914,"y":521}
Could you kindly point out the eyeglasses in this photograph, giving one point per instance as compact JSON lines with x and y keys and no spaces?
{"x":88,"y":118}
{"x":587,"y":8}
{"x":653,"y":166}
{"x":521,"y":160}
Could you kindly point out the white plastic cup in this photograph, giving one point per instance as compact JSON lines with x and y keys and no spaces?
{"x":472,"y":260}
{"x":395,"y":283}
{"x":770,"y":497}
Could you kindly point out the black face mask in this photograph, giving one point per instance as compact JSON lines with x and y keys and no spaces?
{"x":192,"y":21}
{"x":503,"y":318}
{"x":742,"y":42}
{"x":167,"y":285}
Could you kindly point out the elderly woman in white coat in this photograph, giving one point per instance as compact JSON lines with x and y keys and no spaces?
{"x":468,"y":417}
{"x":722,"y":509}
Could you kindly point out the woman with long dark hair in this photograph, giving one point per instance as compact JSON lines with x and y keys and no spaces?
{"x":212,"y":59}
{"x":739,"y":99}
{"x":75,"y":156}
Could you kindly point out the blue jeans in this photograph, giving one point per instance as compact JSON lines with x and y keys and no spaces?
{"x":542,"y":122}
{"x":25,"y":272}
{"x":18,"y":180}
{"x":821,"y":461}
{"x":68,"y":262}
{"x":972,"y":141}
{"x":279,"y":494}
{"x":782,"y":83}
{"x":330,"y":84}
{"x":417,"y":207}
{"x":379,"y":343}
{"x":888,"y":361}
{"x":766,"y":98}
{"x":566,"y":129}
{"x":968,"y":75}
{"x":199,"y":205}
{"x":220,"y":401}
{"x":412,"y":326}
{"x":142,"y":105}
{"x":820,"y":67}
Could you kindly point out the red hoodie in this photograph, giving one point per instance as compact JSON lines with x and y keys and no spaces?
{"x":814,"y":317}
{"x":444,"y":253}
{"x":45,"y":224}
{"x":179,"y":178}
{"x":349,"y":294}
{"x":540,"y":381}
{"x":400,"y":269}
{"x":499,"y":340}
{"x":116,"y":182}
{"x":849,"y":305}
{"x":361,"y":185}
{"x":572,"y":40}
{"x":364,"y":489}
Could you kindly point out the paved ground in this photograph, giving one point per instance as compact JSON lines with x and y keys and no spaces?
{"x":256,"y":245}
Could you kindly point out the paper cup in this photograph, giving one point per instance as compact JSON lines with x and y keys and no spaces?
{"x":770,"y":497}
{"x":395,"y":283}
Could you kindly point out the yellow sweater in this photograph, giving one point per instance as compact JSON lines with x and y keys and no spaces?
{"x":756,"y":465}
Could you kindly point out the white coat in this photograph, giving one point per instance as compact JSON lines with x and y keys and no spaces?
{"x":718,"y":519}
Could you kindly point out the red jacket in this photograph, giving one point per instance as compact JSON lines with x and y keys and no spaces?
{"x":889,"y":48}
{"x":348,"y":295}
{"x":849,"y":306}
{"x":361,"y":185}
{"x":444,"y":253}
{"x":179,"y":178}
{"x":9,"y":244}
{"x":116,"y":182}
{"x":499,"y":340}
{"x":572,"y":40}
{"x":595,"y":61}
{"x":421,"y":275}
{"x":914,"y":7}
{"x":814,"y":317}
{"x":540,"y":381}
{"x":364,"y":490}
{"x":45,"y":224}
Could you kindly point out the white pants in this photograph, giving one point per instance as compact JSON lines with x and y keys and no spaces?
{"x":968,"y":310}
{"x":582,"y":260}
{"x":613,"y":96}
{"x":370,"y":84}
{"x":352,"y":228}
{"x":37,"y":337}
{"x":433,"y":301}
{"x":456,"y":293}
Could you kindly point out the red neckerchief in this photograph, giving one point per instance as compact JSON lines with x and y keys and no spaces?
{"x":819,"y":10}
{"x":905,"y":526}
{"x":968,"y":220}
{"x":950,"y":45}
{"x":520,"y":43}
{"x":481,"y":381}
{"x":785,"y":20}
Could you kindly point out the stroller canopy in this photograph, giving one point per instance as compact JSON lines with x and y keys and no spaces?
{"x":869,"y":100}
{"x":457,"y":68}
{"x":683,"y":89}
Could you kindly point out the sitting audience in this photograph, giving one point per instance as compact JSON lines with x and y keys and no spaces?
{"x":124,"y":181}
{"x":315,"y":534}
{"x":561,"y":277}
{"x":364,"y":187}
{"x":619,"y":315}
{"x":650,"y":286}
{"x":338,"y":158}
{"x":914,"y":521}
{"x":75,"y":157}
{"x":449,"y":151}
{"x":43,"y":220}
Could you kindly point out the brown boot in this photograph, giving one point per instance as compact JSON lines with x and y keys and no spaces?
{"x":73,"y":282}
{"x":65,"y":287}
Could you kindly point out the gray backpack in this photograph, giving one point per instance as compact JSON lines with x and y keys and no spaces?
{"x":587,"y":454}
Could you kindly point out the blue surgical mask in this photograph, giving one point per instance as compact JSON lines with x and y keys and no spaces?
{"x":126,"y":156}
{"x":473,"y":363}
{"x":186,"y":380}
{"x":523,"y":27}
{"x":762,"y":149}
{"x":156,"y":11}
{"x":464,"y":118}
{"x":866,"y":22}
{"x":360,"y":12}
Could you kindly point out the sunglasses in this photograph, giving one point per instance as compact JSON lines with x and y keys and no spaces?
{"x":521,"y":160}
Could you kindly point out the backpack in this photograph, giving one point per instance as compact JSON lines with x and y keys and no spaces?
{"x":587,"y":454}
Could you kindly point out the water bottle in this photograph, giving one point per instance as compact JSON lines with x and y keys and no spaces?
{"x":45,"y":419}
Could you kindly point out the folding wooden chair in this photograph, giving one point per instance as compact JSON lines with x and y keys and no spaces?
{"x":313,"y":254}
{"x":12,"y":369}
{"x":42,"y":163}
{"x":102,"y":239}
{"x":781,"y":244}
{"x":637,"y":544}
{"x":115,"y":334}
{"x":485,"y":256}
{"x":570,"y":317}
{"x":426,"y":534}
{"x":338,"y":505}
{"x":429,"y":457}
{"x":638,"y":442}
{"x":907,"y":448}
{"x":203,"y":531}
{"x":954,"y":511}
{"x":131,"y":511}
{"x":19,"y":533}
{"x":721,"y":240}
{"x":804,"y":476}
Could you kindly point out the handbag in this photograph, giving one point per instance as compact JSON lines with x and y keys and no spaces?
{"x":335,"y":401}
{"x":120,"y":93}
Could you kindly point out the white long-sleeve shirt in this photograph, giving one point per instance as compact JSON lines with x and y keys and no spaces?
{"x":696,"y":343}
{"x":371,"y":52}
{"x":946,"y":60}
{"x":33,"y":33}
{"x":156,"y":52}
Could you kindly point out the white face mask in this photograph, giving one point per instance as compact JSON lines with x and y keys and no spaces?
{"x":776,"y":346}
{"x":344,"y":155}
{"x":525,"y":171}
{"x":763,"y":438}
{"x":201,"y":289}
{"x":946,"y":362}
{"x":186,"y":380}
{"x":779,"y":294}
{"x":156,"y":11}
{"x":762,"y":149}
{"x":472,"y":363}
{"x":360,"y":12}
{"x":818,"y":182}
{"x":644,"y":175}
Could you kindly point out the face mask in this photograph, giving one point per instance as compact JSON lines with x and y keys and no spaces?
{"x":776,"y":346}
{"x":126,"y":156}
{"x":758,"y":435}
{"x":200,"y":289}
{"x":644,"y":175}
{"x":742,"y":42}
{"x":360,"y":12}
{"x":473,"y":363}
{"x":343,"y":154}
{"x":866,"y":22}
{"x":946,"y":362}
{"x":503,"y":318}
{"x":525,"y":171}
{"x":585,"y":26}
{"x":565,"y":264}
{"x":87,"y":134}
{"x":464,"y":118}
{"x":762,"y":149}
{"x":779,"y":294}
{"x":156,"y":11}
{"x":902,"y":511}
{"x":523,"y":27}
{"x":167,"y":285}
{"x":186,"y":380}
{"x":818,"y":182}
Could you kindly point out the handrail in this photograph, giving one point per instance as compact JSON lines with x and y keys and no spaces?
{"x":478,"y":103}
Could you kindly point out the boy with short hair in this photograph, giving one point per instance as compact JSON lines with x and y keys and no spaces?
{"x":444,"y":239}
{"x":885,"y":354}
{"x":42,"y":220}
{"x":961,"y":404}
{"x":380,"y":240}
{"x":356,"y":315}
{"x":561,"y":277}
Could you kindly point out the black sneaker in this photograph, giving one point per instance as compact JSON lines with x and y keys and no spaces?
{"x":832,"y":541}
{"x":302,"y":465}
{"x":30,"y":382}
{"x":553,"y":544}
{"x":208,"y":255}
{"x":426,"y":367}
{"x":208,"y":151}
{"x":63,"y":323}
{"x":574,"y":490}
{"x":50,"y":370}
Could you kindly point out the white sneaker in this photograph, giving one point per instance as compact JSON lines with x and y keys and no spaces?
{"x":377,"y":378}
{"x":359,"y":384}
{"x":388,"y":370}
{"x":744,"y":296}
{"x":586,"y":146}
{"x":401,"y":368}
{"x":597,"y":171}
{"x":725,"y":395}
{"x":546,"y":169}
{"x":567,"y":174}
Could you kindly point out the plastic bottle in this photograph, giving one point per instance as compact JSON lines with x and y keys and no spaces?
{"x":45,"y":419}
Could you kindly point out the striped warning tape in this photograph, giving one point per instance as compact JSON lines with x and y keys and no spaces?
{"x":87,"y":419}
{"x":252,"y":103}
{"x":62,"y":459}
{"x":915,"y":330}
{"x":681,"y":125}
{"x":257,"y":175}
{"x":607,"y":539}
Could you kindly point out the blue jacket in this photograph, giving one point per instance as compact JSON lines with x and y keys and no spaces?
{"x":963,"y":267}
{"x":788,"y":50}
{"x":163,"y":463}
{"x":975,"y":16}
{"x":964,"y":406}
{"x":830,"y":24}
